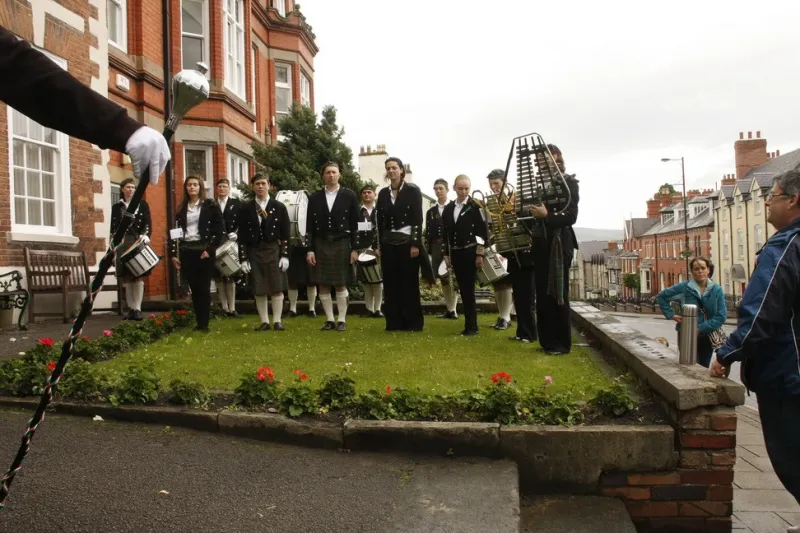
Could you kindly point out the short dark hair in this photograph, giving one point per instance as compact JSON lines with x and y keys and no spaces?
{"x":706,"y":260}
{"x":367,"y":187}
{"x":441,"y":181}
{"x":258,"y":176}
{"x":125,"y":182}
{"x":223,"y":180}
{"x":329,"y":164}
{"x":496,"y":174}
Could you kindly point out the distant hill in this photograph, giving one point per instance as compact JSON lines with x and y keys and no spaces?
{"x":597,"y":234}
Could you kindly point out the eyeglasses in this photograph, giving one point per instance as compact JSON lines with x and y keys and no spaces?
{"x":771,"y":195}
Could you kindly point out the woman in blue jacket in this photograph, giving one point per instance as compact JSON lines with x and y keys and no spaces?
{"x":709,"y":299}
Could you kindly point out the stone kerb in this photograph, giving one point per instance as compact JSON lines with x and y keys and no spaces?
{"x":697,"y":495}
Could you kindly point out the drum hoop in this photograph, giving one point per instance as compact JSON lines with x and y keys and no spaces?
{"x":139,"y":243}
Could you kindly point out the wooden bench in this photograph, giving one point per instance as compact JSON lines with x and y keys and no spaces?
{"x":13,"y":296}
{"x":55,"y":272}
{"x":484,"y":294}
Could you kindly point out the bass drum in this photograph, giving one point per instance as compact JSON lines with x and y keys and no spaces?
{"x":296,"y":203}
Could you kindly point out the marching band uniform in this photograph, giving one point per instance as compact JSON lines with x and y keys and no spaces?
{"x":332,"y":235}
{"x":203,"y":227}
{"x":521,"y":273}
{"x":264,"y":246}
{"x":226,"y":287}
{"x":373,"y":292}
{"x":301,"y":273}
{"x":463,"y":223}
{"x":400,"y":227}
{"x":552,"y":256}
{"x":503,"y":290}
{"x":141,"y":227}
{"x":434,"y":243}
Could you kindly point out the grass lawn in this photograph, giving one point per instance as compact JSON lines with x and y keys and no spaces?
{"x":437,"y":359}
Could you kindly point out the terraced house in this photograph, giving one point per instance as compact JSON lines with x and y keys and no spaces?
{"x":56,"y":193}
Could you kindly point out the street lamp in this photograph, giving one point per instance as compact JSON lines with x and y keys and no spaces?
{"x":685,"y":212}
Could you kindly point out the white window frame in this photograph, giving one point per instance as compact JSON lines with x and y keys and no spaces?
{"x":209,"y":177}
{"x":757,"y":202}
{"x":738,"y":207}
{"x":206,"y":22}
{"x":740,"y":243}
{"x":280,"y":5}
{"x":253,"y":71}
{"x":122,"y":24}
{"x":725,"y":249}
{"x":305,"y":90}
{"x":758,"y":233}
{"x":238,"y":169}
{"x":281,"y":85}
{"x":233,"y":46}
{"x":725,"y":214}
{"x":62,"y":231}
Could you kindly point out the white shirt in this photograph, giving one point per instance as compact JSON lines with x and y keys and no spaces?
{"x":263,"y":205}
{"x":393,"y":198}
{"x":458,"y":208}
{"x":222,"y":203}
{"x":441,"y":207}
{"x":369,"y":209}
{"x":126,"y":204}
{"x":193,"y":221}
{"x":330,"y":197}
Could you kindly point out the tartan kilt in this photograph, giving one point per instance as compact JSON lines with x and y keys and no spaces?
{"x":300,"y":272}
{"x":506,"y":282}
{"x":120,"y":270}
{"x":437,"y":256}
{"x":265,"y":276}
{"x":333,"y":262}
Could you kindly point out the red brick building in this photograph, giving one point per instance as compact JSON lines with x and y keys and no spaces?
{"x":260,"y":55}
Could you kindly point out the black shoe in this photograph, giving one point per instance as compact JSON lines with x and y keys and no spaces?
{"x":129,"y":316}
{"x":292,"y":314}
{"x":341,"y":326}
{"x":377,"y":314}
{"x":278,"y":327}
{"x":233,"y":314}
{"x":137,"y":315}
{"x":451,"y":315}
{"x":469,"y":332}
{"x":201,"y":329}
{"x":328,"y":326}
{"x":312,"y":314}
{"x":556,"y":351}
{"x":501,"y":324}
{"x":263,"y":327}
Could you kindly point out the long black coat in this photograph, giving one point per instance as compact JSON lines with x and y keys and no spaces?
{"x":211,"y":226}
{"x":142,"y":224}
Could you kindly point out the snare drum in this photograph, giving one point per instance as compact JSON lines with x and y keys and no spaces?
{"x":442,"y":269}
{"x":296,"y":203}
{"x":369,"y":269}
{"x":139,"y":259}
{"x":494,"y":268}
{"x":227,"y":259}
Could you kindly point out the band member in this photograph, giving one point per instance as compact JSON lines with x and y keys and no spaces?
{"x":552,"y":256}
{"x":226,"y":287}
{"x":401,"y":249}
{"x":203,"y":227}
{"x":332,"y":233}
{"x":521,"y":276}
{"x":141,"y":227}
{"x":367,"y":218}
{"x":434,"y":243}
{"x":463,"y":224}
{"x":503,"y":287}
{"x":264,"y":250}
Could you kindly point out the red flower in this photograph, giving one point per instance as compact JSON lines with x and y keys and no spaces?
{"x":388,"y":389}
{"x":51,"y":366}
{"x":297,"y":371}
{"x":107,"y":332}
{"x":265,"y":372}
{"x":86,"y":339}
{"x":159,"y":322}
{"x":180,"y":312}
{"x":46,"y":342}
{"x":165,"y":315}
{"x":152,"y":315}
{"x":501,"y":376}
{"x":303,"y":377}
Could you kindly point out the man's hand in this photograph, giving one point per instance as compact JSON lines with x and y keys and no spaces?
{"x":232,"y":236}
{"x":148,"y":150}
{"x":478,"y":261}
{"x":353,"y":257}
{"x":283,"y":264}
{"x":717,"y":370}
{"x":246,"y":267}
{"x":538,"y":211}
{"x":145,"y":239}
{"x":176,"y":262}
{"x":204,"y":255}
{"x":446,"y":260}
{"x":311,"y":259}
{"x":414,"y":252}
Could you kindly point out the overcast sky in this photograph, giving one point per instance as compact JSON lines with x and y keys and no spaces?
{"x":616,"y":84}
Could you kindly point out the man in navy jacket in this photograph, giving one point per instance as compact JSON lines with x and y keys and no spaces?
{"x":767,"y":339}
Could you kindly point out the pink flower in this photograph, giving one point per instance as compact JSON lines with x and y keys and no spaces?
{"x":107,"y":332}
{"x":548,"y":379}
{"x":152,"y":315}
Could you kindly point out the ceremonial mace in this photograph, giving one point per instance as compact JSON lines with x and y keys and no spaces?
{"x":190,"y":88}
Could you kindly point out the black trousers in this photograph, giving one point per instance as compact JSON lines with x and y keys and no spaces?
{"x":779,"y":415}
{"x":463,"y":262}
{"x":402,"y":305}
{"x":522,"y":277}
{"x":198,"y":274}
{"x":555,"y":331}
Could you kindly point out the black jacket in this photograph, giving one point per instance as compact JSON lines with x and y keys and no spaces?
{"x":231,"y":214}
{"x":141,"y":224}
{"x":434,"y":229}
{"x":406,"y":211}
{"x":341,"y":220}
{"x":463,"y":232}
{"x":367,"y":238}
{"x":211,"y":225}
{"x":35,"y":86}
{"x":249,"y":230}
{"x":565,"y":220}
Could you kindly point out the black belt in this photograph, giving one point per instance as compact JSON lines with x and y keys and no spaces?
{"x":335,"y":236}
{"x":467,"y":247}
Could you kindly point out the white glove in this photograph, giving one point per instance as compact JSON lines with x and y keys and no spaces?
{"x":283,"y":264}
{"x":232,"y":236}
{"x":145,"y":239}
{"x":246,"y":267}
{"x":148,"y":149}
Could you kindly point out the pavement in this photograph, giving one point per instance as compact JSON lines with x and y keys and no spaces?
{"x":760,"y":503}
{"x":103,"y":476}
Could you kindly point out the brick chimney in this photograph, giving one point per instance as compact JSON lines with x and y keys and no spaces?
{"x":612,"y":245}
{"x":728,"y":179}
{"x":750,"y":153}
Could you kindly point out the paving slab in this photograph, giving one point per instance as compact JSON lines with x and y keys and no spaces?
{"x":791,"y":518}
{"x":757,"y":449}
{"x":757,"y":480}
{"x":763,"y":522}
{"x":749,"y":439}
{"x":575,"y":514}
{"x":764,"y":500}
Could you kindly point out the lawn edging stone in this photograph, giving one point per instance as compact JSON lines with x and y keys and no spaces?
{"x":278,"y":428}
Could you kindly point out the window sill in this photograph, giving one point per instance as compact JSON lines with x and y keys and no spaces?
{"x":17,"y":236}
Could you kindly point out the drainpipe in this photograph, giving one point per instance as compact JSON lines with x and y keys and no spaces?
{"x":169,"y":176}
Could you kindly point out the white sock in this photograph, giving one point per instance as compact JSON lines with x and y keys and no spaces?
{"x":222,"y":295}
{"x":453,"y":299}
{"x":369,"y":289}
{"x":504,"y":304}
{"x":230,"y":292}
{"x":138,"y":294}
{"x":277,"y":307}
{"x":129,"y":299}
{"x":312,"y":297}
{"x":377,"y":296}
{"x":263,"y":310}
{"x":341,"y":304}
{"x":293,"y":294}
{"x":327,"y":305}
